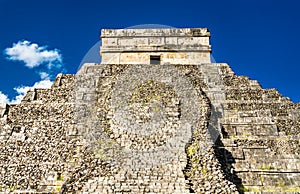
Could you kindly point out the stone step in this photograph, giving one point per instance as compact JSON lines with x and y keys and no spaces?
{"x":259,"y":163}
{"x":270,"y":179}
{"x":134,"y":182}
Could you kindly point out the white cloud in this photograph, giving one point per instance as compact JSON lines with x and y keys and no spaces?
{"x":46,"y":63}
{"x":44,"y":75}
{"x":33,"y":55}
{"x":22,"y":90}
{"x":43,"y":84}
{"x":3,"y":98}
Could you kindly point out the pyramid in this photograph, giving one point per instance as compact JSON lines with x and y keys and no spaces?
{"x":155,"y":116}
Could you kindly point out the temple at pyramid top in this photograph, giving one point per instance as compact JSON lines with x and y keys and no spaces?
{"x":155,"y":46}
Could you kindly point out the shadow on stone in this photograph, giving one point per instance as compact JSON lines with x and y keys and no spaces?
{"x":226,"y":160}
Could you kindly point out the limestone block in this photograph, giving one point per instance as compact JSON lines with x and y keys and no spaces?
{"x":156,"y":41}
{"x":237,"y":153}
{"x":171,"y":40}
{"x":280,"y":179}
{"x":110,"y":41}
{"x":250,"y":179}
{"x":250,"y":129}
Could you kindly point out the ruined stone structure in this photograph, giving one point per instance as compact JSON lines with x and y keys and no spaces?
{"x":156,"y":116}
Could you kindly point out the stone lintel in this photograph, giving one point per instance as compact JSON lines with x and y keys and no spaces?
{"x":175,"y":48}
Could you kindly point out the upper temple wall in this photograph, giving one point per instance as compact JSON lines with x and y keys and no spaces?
{"x":167,"y":46}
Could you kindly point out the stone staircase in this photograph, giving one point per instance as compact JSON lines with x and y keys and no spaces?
{"x":151,"y":180}
{"x":215,"y":91}
{"x":260,"y":136}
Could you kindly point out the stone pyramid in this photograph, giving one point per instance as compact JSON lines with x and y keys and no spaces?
{"x":155,"y":116}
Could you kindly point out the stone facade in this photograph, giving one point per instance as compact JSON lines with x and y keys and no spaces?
{"x":128,"y":126}
{"x":173,"y":46}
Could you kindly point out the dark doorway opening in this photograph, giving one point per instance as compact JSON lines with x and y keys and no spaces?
{"x":154,"y":59}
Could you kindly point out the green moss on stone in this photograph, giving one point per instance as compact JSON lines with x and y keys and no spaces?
{"x":60,"y":177}
{"x":267,"y":167}
{"x":191,"y":150}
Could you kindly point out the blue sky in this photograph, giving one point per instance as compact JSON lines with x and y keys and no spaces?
{"x":257,"y":38}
